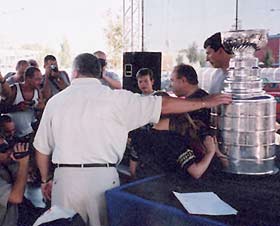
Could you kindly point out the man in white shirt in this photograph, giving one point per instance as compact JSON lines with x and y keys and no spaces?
{"x":85,"y":128}
{"x":218,"y":57}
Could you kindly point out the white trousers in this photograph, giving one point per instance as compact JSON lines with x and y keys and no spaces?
{"x":83,"y":190}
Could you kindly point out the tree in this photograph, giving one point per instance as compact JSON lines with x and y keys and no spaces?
{"x":268,"y":58}
{"x":114,"y":38}
{"x":179,"y":58}
{"x":64,"y":54}
{"x":202,"y":58}
{"x":192,"y":53}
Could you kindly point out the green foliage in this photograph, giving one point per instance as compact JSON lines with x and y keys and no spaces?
{"x":64,"y":54}
{"x":193,"y":55}
{"x":114,"y":39}
{"x":268,"y":59}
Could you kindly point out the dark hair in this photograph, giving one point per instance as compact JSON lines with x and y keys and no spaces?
{"x":215,"y":42}
{"x":49,"y":57}
{"x":187,"y":71}
{"x":145,"y":71}
{"x":161,"y":93}
{"x":30,"y":71}
{"x":99,"y":52}
{"x":20,"y":63}
{"x":33,"y":63}
{"x":4,"y":119}
{"x":88,"y":65}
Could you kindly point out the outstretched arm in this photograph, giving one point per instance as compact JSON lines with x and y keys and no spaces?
{"x":176,"y":105}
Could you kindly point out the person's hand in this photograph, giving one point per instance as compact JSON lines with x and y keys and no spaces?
{"x":21,"y":147}
{"x":209,"y":144}
{"x":48,"y":71}
{"x":23,"y":106}
{"x":41,"y":104}
{"x":215,"y":100}
{"x":277,"y":126}
{"x":47,"y":190}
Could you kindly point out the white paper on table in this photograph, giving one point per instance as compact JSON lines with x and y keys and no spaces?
{"x":204,"y":203}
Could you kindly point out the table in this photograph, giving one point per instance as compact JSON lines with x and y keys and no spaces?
{"x":150,"y":201}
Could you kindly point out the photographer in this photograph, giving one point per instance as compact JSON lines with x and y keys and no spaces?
{"x":28,"y":99}
{"x":54,"y":80}
{"x":13,"y":177}
{"x":108,"y":78}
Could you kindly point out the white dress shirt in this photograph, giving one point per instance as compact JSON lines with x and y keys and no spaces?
{"x":88,"y":122}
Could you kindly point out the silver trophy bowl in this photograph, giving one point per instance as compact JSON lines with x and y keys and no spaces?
{"x":242,"y":39}
{"x":246,"y":127}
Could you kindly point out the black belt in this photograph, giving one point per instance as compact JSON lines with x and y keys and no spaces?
{"x":57,"y":165}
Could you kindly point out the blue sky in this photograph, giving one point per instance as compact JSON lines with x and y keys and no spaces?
{"x":169,"y":24}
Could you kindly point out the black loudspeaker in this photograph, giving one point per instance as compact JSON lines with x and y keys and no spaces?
{"x":133,"y":61}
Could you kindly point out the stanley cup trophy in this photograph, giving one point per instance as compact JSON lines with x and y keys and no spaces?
{"x":247,"y":126}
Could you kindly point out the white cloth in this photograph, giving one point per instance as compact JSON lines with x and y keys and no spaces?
{"x":82,"y":189}
{"x":23,"y":119}
{"x":217,"y":83}
{"x":89,"y":123}
{"x":54,"y":213}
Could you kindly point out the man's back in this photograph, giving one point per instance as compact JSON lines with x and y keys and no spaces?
{"x":100,"y":120}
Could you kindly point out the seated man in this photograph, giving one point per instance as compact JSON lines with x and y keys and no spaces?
{"x":13,"y":176}
{"x":177,"y":144}
{"x":184,"y":83}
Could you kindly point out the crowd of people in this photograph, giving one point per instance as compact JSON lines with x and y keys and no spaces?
{"x":70,"y":136}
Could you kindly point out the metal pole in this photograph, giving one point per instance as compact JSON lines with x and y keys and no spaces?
{"x":142,"y":35}
{"x":123,"y":27}
{"x":236,"y":15}
{"x":279,"y":52}
{"x":132,"y":30}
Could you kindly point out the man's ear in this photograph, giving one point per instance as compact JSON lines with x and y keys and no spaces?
{"x":74,"y":73}
{"x":221,"y":50}
{"x":153,"y":81}
{"x":183,"y":79}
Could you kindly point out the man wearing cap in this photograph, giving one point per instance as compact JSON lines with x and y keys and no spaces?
{"x":219,"y":58}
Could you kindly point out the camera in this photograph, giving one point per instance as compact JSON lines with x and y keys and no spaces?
{"x":102,"y":62}
{"x":54,"y":68}
{"x":17,"y":155}
{"x":20,"y":155}
{"x":31,"y":103}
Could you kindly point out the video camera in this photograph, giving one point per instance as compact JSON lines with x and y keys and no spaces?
{"x":17,"y":155}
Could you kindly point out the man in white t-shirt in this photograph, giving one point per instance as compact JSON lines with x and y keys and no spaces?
{"x":85,"y":128}
{"x":218,"y":57}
